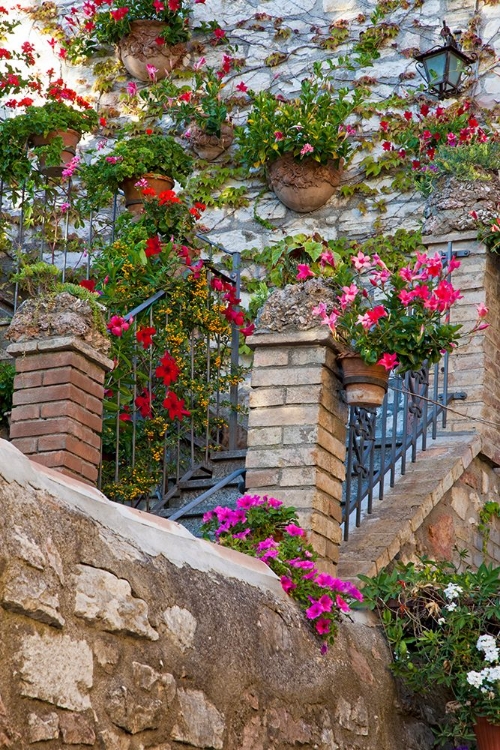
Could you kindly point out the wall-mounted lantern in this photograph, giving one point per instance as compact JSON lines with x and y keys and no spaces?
{"x":442,"y":68}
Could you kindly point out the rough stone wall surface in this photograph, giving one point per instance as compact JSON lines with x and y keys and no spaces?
{"x":304,"y":25}
{"x":119,"y":631}
{"x":453,"y":524}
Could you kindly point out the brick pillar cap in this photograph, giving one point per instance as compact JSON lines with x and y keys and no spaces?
{"x":60,"y":343}
{"x":319,"y":336}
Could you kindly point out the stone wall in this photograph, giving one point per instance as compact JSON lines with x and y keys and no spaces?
{"x":453,"y":524}
{"x":121,"y":631}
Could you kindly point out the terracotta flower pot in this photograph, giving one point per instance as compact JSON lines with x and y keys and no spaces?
{"x":209,"y":147}
{"x":70,"y":139}
{"x":365,"y":385}
{"x":487,"y":735}
{"x":134,"y":198}
{"x":139,"y":49}
{"x":303,"y":185}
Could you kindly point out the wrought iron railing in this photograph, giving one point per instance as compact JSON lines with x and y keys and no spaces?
{"x":380,"y":443}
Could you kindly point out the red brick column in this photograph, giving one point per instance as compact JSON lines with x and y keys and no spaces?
{"x":58,"y":401}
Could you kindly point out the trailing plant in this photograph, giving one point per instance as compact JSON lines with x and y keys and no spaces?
{"x":488,"y":512}
{"x":442,"y":622}
{"x":312,"y":124}
{"x":104,"y":23}
{"x":281,"y":259}
{"x":134,"y":157}
{"x":265,"y":528}
{"x":489,"y":233}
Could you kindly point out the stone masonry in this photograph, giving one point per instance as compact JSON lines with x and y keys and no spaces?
{"x":121,"y":631}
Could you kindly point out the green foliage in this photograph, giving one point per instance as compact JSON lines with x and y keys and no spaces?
{"x":87,"y":32}
{"x":315,"y":118}
{"x":488,"y":512}
{"x":433,"y":614}
{"x":132,"y":158}
{"x":474,"y":161}
{"x":37,"y":278}
{"x":281,"y":259}
{"x":7,"y":373}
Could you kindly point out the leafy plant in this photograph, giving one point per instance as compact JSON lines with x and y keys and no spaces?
{"x":134,"y":157}
{"x":390,"y":317}
{"x":265,"y":528}
{"x":313,"y":124}
{"x":107,"y":22}
{"x":441,"y":620}
{"x":7,"y":374}
{"x":474,"y":161}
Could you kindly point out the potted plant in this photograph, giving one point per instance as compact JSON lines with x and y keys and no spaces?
{"x":302,"y":142}
{"x":386,"y":318}
{"x":140,"y":162}
{"x":149,"y":35}
{"x":52,"y":130}
{"x":442,"y":623}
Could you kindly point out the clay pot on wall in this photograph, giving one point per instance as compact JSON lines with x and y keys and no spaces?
{"x":303,"y":185}
{"x":487,"y":735}
{"x":210,"y":147}
{"x":70,"y":139}
{"x":365,"y":385}
{"x":139,"y":49}
{"x":134,"y":198}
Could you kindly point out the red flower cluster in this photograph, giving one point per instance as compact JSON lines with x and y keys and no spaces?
{"x":143,"y":403}
{"x":175,"y":407}
{"x":144,"y":336}
{"x":168,"y":196}
{"x":168,"y":370}
{"x":118,"y":14}
{"x":153,"y":246}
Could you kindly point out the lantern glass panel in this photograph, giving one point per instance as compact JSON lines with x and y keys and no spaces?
{"x":435,"y":66}
{"x":455,"y":70}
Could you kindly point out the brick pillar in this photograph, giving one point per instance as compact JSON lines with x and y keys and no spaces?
{"x":296,"y":438}
{"x":58,"y":400}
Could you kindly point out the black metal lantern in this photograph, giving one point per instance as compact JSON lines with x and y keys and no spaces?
{"x":442,"y":68}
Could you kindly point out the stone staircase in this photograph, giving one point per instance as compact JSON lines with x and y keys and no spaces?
{"x":199,"y":480}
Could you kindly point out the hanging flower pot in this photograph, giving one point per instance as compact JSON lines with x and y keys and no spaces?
{"x":70,"y":139}
{"x":365,"y":385}
{"x":487,"y":735}
{"x":303,"y":185}
{"x":134,"y":197}
{"x":210,"y":147}
{"x":139,"y":48}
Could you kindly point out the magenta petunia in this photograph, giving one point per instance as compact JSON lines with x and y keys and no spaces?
{"x":287,"y":584}
{"x":294,"y":530}
{"x":322,"y":626}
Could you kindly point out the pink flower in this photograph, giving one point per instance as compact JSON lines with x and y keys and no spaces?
{"x":248,"y":501}
{"x":304,"y":271}
{"x":294,"y":530}
{"x":278,"y":135}
{"x":389,"y":361}
{"x":131,"y":88}
{"x":365,"y":321}
{"x":274,"y":503}
{"x":322,"y":626}
{"x":242,"y":87}
{"x":201,"y":62}
{"x":342,"y":604}
{"x":64,"y":207}
{"x":348,"y":296}
{"x":361,"y":261}
{"x":306,"y":149}
{"x":71,"y":167}
{"x":287,"y":584}
{"x":319,"y":309}
{"x":482,"y":310}
{"x":327,"y":259}
{"x":142,"y":183}
{"x":152,"y":71}
{"x":315,"y":610}
{"x":113,"y":159}
{"x":376,"y":313}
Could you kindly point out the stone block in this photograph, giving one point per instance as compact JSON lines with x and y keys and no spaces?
{"x":43,"y":727}
{"x":76,"y":729}
{"x":298,"y":435}
{"x":300,"y":455}
{"x":303,"y":394}
{"x":181,"y":625}
{"x":283,"y":415}
{"x":264,"y":436}
{"x":27,"y":591}
{"x":272,"y":357}
{"x":286,"y":376}
{"x":256,"y":478}
{"x":198,"y":723}
{"x":105,"y":600}
{"x":266,"y":397}
{"x":56,"y":669}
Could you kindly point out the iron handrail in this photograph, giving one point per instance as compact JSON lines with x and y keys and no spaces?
{"x":208,"y":493}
